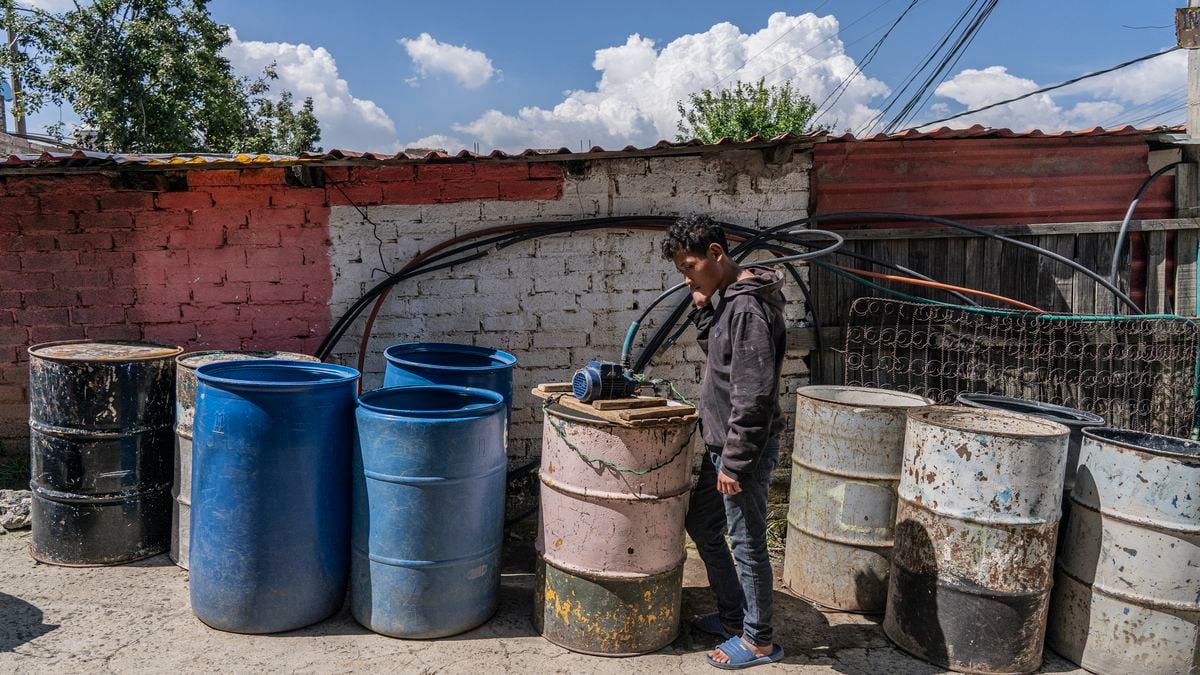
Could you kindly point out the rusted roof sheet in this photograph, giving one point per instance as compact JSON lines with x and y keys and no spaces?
{"x":980,"y":131}
{"x":83,"y":158}
{"x":991,"y":179}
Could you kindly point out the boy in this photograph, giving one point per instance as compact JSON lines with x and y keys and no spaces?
{"x":744,"y":339}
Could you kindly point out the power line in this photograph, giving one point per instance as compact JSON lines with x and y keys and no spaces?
{"x":912,"y":75}
{"x":836,"y":95}
{"x":947,"y":65}
{"x":828,"y":39}
{"x":773,"y":43}
{"x":1046,"y":89}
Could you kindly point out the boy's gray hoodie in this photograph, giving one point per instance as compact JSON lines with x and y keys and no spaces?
{"x":745,"y":340}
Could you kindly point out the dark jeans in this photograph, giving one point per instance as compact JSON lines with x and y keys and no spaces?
{"x":743,"y":592}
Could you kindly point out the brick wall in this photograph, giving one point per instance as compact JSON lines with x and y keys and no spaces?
{"x":243,"y":259}
{"x":224,"y":260}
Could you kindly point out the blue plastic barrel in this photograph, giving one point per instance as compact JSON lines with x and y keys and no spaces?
{"x":425,"y":363}
{"x":271,"y":493}
{"x":429,"y":472}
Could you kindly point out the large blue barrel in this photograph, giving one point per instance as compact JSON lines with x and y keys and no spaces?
{"x":429,"y":472}
{"x":425,"y":363}
{"x":270,"y":493}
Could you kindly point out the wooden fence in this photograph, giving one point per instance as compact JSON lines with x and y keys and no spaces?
{"x":963,"y":259}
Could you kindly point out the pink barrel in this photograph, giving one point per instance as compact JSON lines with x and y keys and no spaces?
{"x":613,"y":502}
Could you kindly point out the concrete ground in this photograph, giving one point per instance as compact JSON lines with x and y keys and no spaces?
{"x":136,"y":618}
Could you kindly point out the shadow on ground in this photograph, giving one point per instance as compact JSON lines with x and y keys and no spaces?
{"x":20,"y":622}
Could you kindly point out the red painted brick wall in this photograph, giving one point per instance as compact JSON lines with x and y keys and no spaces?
{"x":202,"y":258}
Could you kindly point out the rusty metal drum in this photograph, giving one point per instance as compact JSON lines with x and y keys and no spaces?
{"x":845,"y":467}
{"x":1127,"y":589}
{"x":976,"y":524}
{"x":611,"y":536}
{"x":100,"y":450}
{"x":185,"y":411}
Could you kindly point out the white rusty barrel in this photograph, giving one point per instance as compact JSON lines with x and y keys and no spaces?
{"x":976,"y":526}
{"x":845,"y":467}
{"x":611,"y":534}
{"x":1127,"y":589}
{"x":185,"y":410}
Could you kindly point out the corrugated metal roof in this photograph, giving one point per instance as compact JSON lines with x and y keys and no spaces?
{"x":991,"y":179}
{"x":980,"y":131}
{"x":82,"y":158}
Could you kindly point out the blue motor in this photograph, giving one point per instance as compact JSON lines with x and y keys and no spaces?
{"x":602,"y":380}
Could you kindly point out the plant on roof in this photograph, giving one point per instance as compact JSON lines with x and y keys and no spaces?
{"x":744,"y":110}
{"x":149,"y":76}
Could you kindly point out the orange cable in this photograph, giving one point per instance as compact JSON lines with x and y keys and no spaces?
{"x":939,"y":285}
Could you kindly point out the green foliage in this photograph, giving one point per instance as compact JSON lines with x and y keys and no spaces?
{"x":148,"y":76}
{"x":743,"y":111}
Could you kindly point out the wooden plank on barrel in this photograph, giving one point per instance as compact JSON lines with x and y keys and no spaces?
{"x":627,"y":403}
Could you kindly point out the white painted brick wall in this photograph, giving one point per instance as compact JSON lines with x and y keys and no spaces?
{"x":558,"y":301}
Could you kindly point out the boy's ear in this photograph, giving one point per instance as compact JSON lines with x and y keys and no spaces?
{"x":715,"y":251}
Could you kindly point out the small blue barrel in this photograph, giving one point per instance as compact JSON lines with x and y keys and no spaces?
{"x":424,"y":363}
{"x":429,"y":470}
{"x":270,"y":493}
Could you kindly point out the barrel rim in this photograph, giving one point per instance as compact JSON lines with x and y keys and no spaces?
{"x":928,"y":415}
{"x":558,"y":410}
{"x":1095,"y":434}
{"x":173,"y":351}
{"x":503,"y":360}
{"x":918,"y":401}
{"x":495,"y":402}
{"x":207,"y":374}
{"x":1065,"y":415}
{"x":181,"y":360}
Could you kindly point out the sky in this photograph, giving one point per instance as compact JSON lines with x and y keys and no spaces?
{"x":385,"y":76}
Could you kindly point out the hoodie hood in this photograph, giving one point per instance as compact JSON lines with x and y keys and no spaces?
{"x":767,"y":284}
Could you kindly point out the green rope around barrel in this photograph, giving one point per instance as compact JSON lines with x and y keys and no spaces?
{"x":600,"y":463}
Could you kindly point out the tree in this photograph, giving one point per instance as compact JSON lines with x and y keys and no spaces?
{"x":148,"y":76}
{"x":743,"y":111}
{"x":283,"y":130}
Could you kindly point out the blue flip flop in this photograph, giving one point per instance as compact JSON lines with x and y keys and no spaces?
{"x":711,"y":624}
{"x":740,"y":655}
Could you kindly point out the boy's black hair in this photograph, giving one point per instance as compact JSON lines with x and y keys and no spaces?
{"x":693,"y":234}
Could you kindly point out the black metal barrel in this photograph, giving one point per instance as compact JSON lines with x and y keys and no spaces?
{"x":101,"y":450}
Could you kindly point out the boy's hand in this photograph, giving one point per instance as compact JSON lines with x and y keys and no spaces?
{"x":726,"y":484}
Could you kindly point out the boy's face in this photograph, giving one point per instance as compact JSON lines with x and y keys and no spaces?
{"x":702,"y":273}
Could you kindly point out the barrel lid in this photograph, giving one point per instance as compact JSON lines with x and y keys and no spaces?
{"x":433,"y":401}
{"x":441,"y":356}
{"x":987,"y":421}
{"x":1058,"y":413}
{"x":863,"y":397}
{"x":1154,"y":444}
{"x":193,"y":360}
{"x":103,"y":350}
{"x":268,"y":375}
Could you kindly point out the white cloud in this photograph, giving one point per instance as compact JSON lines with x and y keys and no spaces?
{"x":634,"y":101}
{"x":347,"y":122}
{"x":471,"y":68}
{"x":1112,"y":99}
{"x":54,"y":6}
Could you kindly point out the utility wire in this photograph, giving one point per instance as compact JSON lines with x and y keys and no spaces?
{"x":774,"y":42}
{"x":947,"y":66}
{"x":912,"y":75}
{"x":829,"y":39}
{"x":836,"y":95}
{"x":1046,"y":89}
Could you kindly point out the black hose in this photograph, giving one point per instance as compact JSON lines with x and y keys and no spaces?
{"x":652,"y":346}
{"x":1114,"y":263}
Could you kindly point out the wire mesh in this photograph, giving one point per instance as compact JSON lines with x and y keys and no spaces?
{"x":1136,"y":372}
